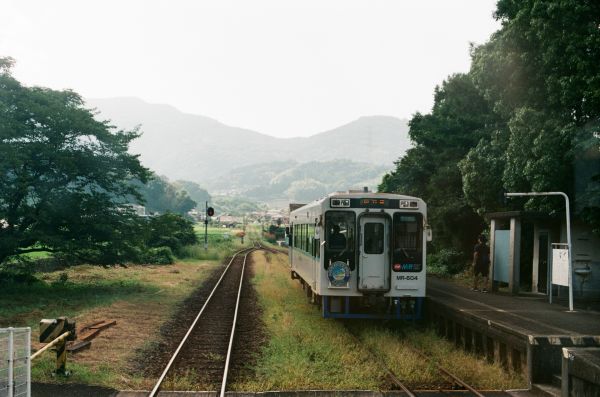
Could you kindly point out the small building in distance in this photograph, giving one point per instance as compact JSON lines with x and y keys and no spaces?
{"x":229,"y":220}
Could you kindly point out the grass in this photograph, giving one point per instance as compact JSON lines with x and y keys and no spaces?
{"x":221,"y":241}
{"x":305,"y":351}
{"x":139,"y":298}
{"x":25,"y":305}
{"x":397,"y":345}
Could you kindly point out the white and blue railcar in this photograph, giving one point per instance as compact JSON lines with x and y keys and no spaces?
{"x":362,"y":254}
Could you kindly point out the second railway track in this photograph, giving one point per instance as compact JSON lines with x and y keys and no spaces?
{"x":206,"y":348}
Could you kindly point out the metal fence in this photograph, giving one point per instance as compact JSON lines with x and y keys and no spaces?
{"x":15,"y":364}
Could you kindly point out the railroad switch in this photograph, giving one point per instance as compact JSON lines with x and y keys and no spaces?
{"x":53,"y":331}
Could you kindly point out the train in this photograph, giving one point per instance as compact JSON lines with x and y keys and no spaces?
{"x":360,"y":254}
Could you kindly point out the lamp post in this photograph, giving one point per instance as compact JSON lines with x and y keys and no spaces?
{"x":568,"y":216}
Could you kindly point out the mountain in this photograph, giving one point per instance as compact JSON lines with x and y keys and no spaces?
{"x":200,"y":149}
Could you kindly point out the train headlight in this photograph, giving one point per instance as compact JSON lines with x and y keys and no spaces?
{"x":340,"y":203}
{"x":409,"y":204}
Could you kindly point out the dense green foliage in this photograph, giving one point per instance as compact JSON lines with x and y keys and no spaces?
{"x":170,"y":230}
{"x":525,"y":118}
{"x":62,"y":176}
{"x":195,"y":191}
{"x":160,"y":195}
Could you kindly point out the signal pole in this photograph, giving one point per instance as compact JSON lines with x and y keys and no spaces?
{"x":209,"y":211}
{"x":206,"y":226}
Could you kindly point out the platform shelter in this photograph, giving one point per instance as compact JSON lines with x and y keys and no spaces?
{"x":521,"y":255}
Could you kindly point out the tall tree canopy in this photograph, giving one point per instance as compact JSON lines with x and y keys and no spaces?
{"x":525,"y":118}
{"x":195,"y":191}
{"x":459,"y":119}
{"x":160,"y":195}
{"x":63,"y":176}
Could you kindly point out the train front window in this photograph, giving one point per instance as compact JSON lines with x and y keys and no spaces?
{"x":374,"y":238}
{"x":408,"y":238}
{"x":339,"y":237}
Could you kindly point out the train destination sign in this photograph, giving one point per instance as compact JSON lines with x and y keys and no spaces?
{"x":375,"y":203}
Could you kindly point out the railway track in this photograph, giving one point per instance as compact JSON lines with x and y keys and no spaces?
{"x":454,"y":380}
{"x":213,"y":330}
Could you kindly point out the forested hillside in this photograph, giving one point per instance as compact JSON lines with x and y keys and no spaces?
{"x":297,"y":181}
{"x":526,"y":117}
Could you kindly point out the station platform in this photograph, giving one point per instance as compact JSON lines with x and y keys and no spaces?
{"x":523,"y":333}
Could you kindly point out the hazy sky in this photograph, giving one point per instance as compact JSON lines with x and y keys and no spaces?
{"x":285,"y":68}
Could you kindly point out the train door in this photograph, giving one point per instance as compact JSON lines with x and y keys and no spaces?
{"x":374,"y":256}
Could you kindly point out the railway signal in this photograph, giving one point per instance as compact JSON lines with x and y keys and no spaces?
{"x":209,"y":211}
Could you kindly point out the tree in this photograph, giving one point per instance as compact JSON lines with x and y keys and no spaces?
{"x":195,"y":191}
{"x":159,"y":195}
{"x":460,"y":118}
{"x":525,"y":118}
{"x":170,"y":230}
{"x":63,"y":176}
{"x":481,"y":170}
{"x":541,"y":74}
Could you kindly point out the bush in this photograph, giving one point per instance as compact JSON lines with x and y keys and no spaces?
{"x":445,"y":262}
{"x":19,"y":271}
{"x":160,"y":256}
{"x":270,"y":237}
{"x":171,"y":230}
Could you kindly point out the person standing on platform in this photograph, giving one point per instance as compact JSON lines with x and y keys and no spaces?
{"x":481,"y":262}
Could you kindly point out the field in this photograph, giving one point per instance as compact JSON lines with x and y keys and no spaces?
{"x":139,"y":297}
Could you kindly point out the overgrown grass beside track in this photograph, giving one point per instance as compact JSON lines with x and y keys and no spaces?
{"x":306,"y":351}
{"x":221,"y":241}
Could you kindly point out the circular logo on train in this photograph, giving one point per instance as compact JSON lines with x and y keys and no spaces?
{"x":339,"y":274}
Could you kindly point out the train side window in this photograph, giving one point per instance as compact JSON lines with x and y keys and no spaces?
{"x":306,"y":237}
{"x":303,"y":238}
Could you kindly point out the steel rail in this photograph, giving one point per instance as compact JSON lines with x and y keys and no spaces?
{"x":235,"y":315}
{"x":447,"y":373}
{"x":382,"y":364}
{"x":156,"y":388}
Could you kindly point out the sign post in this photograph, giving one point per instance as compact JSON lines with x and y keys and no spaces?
{"x":569,"y":247}
{"x":560,"y":267}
